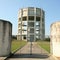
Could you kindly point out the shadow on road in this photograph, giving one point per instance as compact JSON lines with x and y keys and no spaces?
{"x":41,"y":56}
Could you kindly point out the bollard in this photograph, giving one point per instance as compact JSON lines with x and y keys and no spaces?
{"x":55,"y":39}
{"x":5,"y":38}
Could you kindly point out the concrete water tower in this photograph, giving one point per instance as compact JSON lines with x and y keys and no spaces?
{"x":31,"y":24}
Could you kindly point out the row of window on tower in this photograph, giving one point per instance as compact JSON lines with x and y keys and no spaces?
{"x":30,"y":24}
{"x":31,"y":18}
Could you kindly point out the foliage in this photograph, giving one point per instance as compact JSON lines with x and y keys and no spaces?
{"x":14,"y":37}
{"x":47,"y":39}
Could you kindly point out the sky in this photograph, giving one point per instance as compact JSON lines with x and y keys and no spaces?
{"x":9,"y":11}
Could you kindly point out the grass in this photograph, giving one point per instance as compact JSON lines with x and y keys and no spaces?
{"x":45,"y":45}
{"x":17,"y":44}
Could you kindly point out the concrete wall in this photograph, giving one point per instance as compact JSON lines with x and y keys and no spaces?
{"x":5,"y":38}
{"x":55,"y":39}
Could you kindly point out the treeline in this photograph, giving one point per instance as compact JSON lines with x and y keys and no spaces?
{"x":14,"y":37}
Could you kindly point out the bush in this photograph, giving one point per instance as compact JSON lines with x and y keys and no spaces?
{"x":14,"y":37}
{"x":47,"y":39}
{"x":37,"y":39}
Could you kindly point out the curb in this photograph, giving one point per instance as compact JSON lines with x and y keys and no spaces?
{"x":2,"y":58}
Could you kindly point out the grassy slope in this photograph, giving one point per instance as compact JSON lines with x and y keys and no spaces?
{"x":17,"y":44}
{"x":45,"y":45}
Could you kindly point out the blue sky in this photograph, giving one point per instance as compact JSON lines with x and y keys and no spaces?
{"x":9,"y":11}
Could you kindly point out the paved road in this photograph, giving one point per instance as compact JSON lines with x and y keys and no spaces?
{"x":34,"y":53}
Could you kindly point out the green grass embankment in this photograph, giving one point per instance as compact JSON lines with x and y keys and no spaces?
{"x":17,"y":44}
{"x":45,"y":45}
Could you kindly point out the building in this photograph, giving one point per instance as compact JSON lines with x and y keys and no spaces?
{"x":31,"y":24}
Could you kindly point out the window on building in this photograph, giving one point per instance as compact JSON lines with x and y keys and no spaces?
{"x":38,"y":12}
{"x":24,"y":18}
{"x":37,"y":23}
{"x":24,"y":23}
{"x":43,"y":24}
{"x":31,"y":18}
{"x":31,"y":30}
{"x":37,"y":37}
{"x":43,"y":14}
{"x":24,"y":12}
{"x":19,"y":19}
{"x":19,"y":30}
{"x":37,"y":18}
{"x":42,"y":19}
{"x":19,"y":25}
{"x":31,"y":24}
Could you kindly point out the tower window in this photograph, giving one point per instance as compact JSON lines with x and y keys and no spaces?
{"x":24,"y":18}
{"x":19,"y":19}
{"x":37,"y":18}
{"x":31,"y":18}
{"x":31,"y":24}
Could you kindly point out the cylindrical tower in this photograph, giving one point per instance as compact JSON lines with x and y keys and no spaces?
{"x":5,"y":37}
{"x":55,"y":39}
{"x":31,"y":24}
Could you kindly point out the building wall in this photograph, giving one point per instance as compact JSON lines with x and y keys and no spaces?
{"x":31,"y":22}
{"x":55,"y":39}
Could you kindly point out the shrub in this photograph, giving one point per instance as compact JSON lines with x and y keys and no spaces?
{"x":47,"y":39}
{"x":14,"y":37}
